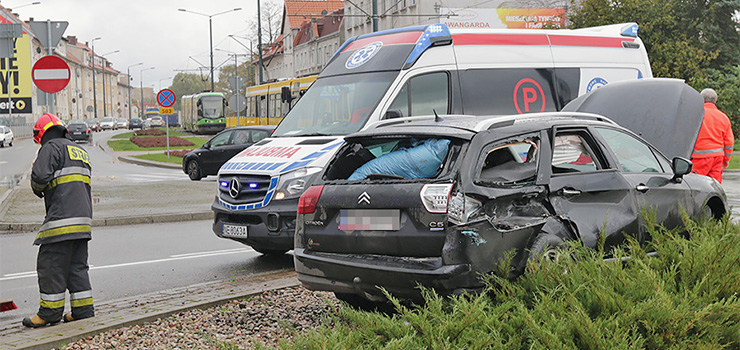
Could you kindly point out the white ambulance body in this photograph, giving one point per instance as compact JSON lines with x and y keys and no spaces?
{"x":388,"y":77}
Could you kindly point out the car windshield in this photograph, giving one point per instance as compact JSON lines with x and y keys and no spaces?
{"x":336,"y":105}
{"x":212,"y":106}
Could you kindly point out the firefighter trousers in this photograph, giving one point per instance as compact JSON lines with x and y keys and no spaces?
{"x":62,"y":266}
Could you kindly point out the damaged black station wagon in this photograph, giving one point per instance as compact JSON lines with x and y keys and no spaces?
{"x":440,"y":200}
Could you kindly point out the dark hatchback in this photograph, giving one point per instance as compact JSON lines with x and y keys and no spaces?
{"x":79,"y":131}
{"x":135,"y":123}
{"x":440,"y":202}
{"x":209,"y":158}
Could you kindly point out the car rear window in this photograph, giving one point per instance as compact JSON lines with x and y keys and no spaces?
{"x":390,"y":159}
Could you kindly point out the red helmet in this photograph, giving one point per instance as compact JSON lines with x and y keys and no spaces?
{"x":46,"y":122}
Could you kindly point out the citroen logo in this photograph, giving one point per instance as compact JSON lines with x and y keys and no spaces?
{"x":364,"y":197}
{"x":234,"y":188}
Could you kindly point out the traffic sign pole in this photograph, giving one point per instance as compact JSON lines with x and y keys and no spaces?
{"x":166,"y":98}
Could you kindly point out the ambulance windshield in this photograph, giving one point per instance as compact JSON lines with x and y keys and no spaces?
{"x":337,"y":105}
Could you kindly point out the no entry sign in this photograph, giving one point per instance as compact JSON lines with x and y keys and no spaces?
{"x":50,"y":74}
{"x":166,"y":98}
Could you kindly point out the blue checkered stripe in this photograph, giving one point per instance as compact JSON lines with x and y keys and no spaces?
{"x":266,"y":166}
{"x":268,"y":197}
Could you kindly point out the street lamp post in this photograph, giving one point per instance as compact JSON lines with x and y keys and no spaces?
{"x":128,"y":86}
{"x":210,"y":33}
{"x":251,"y":56}
{"x":104,"y":65}
{"x":160,"y":82}
{"x":236,"y":83}
{"x":141,"y":89}
{"x":95,"y":95}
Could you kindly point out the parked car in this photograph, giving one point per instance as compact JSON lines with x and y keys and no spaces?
{"x":156,"y":121}
{"x":122,"y":123}
{"x":79,"y":131}
{"x":209,"y":158}
{"x":146,"y":124}
{"x":93,"y":124}
{"x":136,"y":123}
{"x":439,"y":202}
{"x":6,"y":136}
{"x":108,"y":123}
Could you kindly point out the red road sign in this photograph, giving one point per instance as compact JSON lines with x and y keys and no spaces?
{"x":166,"y":98}
{"x":50,"y":74}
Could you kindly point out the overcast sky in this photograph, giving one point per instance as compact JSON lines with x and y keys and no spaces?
{"x":150,"y":31}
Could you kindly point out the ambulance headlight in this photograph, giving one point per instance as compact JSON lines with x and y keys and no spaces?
{"x":292,"y":184}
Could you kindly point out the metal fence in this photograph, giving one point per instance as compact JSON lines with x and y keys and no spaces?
{"x":21,"y":129}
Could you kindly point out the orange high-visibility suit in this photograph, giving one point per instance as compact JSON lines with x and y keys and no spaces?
{"x":713,"y":148}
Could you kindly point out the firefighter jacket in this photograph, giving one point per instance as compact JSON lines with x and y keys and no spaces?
{"x":715,"y":136}
{"x":61,"y":175}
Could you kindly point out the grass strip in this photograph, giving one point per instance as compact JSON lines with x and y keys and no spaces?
{"x":160,"y":157}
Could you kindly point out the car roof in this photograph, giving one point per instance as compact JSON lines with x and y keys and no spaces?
{"x":466,"y":126}
{"x":254,"y":127}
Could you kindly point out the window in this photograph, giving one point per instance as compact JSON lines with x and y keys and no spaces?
{"x":221,"y":139}
{"x":259,"y":135}
{"x":423,"y":95}
{"x":241,"y":137}
{"x":508,"y":163}
{"x":571,"y":153}
{"x":633,"y":155}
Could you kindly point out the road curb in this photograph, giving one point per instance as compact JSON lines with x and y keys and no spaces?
{"x":146,"y":162}
{"x":130,"y":315}
{"x":117,"y":221}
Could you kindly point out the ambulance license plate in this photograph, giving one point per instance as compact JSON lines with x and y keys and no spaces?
{"x":234,"y":231}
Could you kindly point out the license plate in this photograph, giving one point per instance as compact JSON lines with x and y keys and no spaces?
{"x":370,"y":219}
{"x":234,"y":231}
{"x":78,"y":132}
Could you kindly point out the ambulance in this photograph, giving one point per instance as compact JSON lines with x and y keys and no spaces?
{"x":396,"y":76}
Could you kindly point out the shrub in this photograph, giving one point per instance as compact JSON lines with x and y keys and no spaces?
{"x":150,"y":132}
{"x":685,"y":298}
{"x":179,"y":153}
{"x":160,"y":141}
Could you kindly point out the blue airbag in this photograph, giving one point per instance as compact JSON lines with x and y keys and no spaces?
{"x":420,"y":161}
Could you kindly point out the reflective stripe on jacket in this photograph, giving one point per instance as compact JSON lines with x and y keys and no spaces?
{"x":715,"y":136}
{"x":62,"y":173}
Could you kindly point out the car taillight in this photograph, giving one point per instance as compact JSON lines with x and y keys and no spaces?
{"x":88,"y":131}
{"x":309,"y":199}
{"x":462,"y":208}
{"x":435,"y":197}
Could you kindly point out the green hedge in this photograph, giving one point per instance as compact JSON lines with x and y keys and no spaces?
{"x":686,"y":298}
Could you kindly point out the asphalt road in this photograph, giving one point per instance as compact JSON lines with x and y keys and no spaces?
{"x":133,"y":260}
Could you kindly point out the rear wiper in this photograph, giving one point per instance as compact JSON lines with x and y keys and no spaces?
{"x":384,"y":176}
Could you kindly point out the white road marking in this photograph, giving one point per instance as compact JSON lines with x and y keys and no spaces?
{"x":28,"y":274}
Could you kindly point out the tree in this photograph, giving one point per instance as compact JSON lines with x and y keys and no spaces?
{"x":186,"y":84}
{"x":271,"y":13}
{"x":245,"y":70}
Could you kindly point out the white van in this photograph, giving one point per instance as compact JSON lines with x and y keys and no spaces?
{"x":409,"y":73}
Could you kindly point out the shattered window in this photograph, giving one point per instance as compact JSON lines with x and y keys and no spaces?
{"x":634,"y":156}
{"x":571,"y":154}
{"x":510,"y":163}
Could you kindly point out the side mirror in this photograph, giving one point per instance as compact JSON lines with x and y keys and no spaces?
{"x":681,"y":167}
{"x":392,"y":114}
{"x":207,"y":145}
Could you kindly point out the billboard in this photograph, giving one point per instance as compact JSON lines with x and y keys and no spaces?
{"x":518,"y":18}
{"x":15,"y":75}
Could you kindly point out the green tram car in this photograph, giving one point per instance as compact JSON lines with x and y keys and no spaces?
{"x":203,"y":113}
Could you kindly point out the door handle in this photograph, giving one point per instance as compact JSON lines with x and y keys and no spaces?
{"x":570,"y":192}
{"x":642,"y":188}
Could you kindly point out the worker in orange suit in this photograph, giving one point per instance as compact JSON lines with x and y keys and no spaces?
{"x":713,"y":148}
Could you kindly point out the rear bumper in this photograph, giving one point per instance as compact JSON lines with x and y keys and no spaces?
{"x":362,"y":274}
{"x":271,"y":227}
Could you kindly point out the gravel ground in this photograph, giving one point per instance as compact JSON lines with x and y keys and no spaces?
{"x":268,"y":318}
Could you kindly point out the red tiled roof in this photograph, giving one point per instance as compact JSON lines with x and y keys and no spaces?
{"x":308,"y":9}
{"x":320,"y":27}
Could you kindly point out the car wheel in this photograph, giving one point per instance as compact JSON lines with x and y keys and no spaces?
{"x":11,"y":143}
{"x":547,"y":246}
{"x":269,"y":251}
{"x":194,"y":171}
{"x":2,"y":144}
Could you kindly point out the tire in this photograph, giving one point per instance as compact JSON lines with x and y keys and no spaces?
{"x":11,"y":143}
{"x":194,"y":171}
{"x":547,"y":245}
{"x":2,"y":144}
{"x":270,"y":252}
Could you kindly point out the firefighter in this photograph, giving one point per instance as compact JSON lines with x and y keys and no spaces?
{"x":61,"y":176}
{"x":713,"y":148}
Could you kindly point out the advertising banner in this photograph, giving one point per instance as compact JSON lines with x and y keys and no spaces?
{"x":519,"y":18}
{"x":15,"y":74}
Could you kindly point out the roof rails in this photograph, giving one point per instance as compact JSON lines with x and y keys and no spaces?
{"x":397,"y":121}
{"x":509,"y":119}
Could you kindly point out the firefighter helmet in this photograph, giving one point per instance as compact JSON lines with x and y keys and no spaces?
{"x":46,"y":122}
